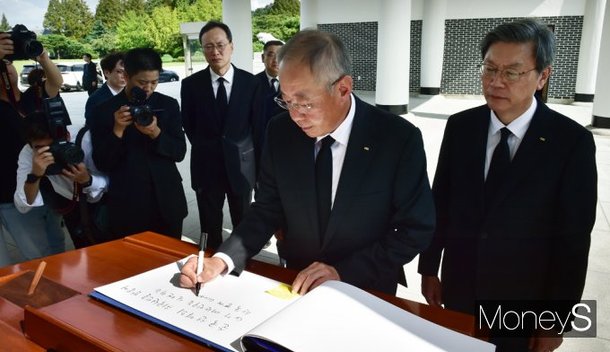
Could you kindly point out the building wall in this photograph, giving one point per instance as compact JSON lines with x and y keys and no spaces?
{"x":466,"y":24}
{"x":462,"y":55}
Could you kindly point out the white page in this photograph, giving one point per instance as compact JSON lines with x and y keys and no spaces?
{"x":225,"y":310}
{"x":339,"y":317}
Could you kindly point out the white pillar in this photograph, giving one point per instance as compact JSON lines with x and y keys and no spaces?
{"x":393,"y":51}
{"x":601,"y":103}
{"x":589,"y":50}
{"x":309,"y":14}
{"x":237,"y":15}
{"x":432,"y":46}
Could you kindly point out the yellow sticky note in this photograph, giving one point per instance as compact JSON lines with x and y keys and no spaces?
{"x":282,"y":291}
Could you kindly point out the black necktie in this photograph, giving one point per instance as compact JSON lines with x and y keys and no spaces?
{"x":273,"y":84}
{"x":324,"y":181}
{"x":500,"y":162}
{"x":221,"y":97}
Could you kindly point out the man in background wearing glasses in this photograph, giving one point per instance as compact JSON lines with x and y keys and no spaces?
{"x":515,"y":191}
{"x":220,"y":112}
{"x":346,"y":181}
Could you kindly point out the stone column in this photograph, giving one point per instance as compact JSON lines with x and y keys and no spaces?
{"x":238,"y":16}
{"x":309,"y":14}
{"x":601,"y":103}
{"x":589,"y":50}
{"x":393,"y":54}
{"x":432,"y":46}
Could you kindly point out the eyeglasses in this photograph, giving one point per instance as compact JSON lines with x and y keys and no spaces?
{"x":301,"y":108}
{"x":509,"y":74}
{"x":219,"y":46}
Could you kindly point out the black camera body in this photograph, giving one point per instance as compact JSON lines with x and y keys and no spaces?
{"x":25,"y":44}
{"x":64,"y":152}
{"x":141,"y":112}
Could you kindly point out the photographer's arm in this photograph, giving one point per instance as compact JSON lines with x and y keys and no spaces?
{"x":27,"y":194}
{"x":6,"y":45}
{"x":171,"y":142}
{"x":54,"y":79}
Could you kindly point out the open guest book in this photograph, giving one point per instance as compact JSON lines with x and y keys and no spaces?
{"x":252,"y":312}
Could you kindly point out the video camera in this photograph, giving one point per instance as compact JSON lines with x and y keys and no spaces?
{"x":138,"y":108}
{"x":64,"y":152}
{"x":25,"y":44}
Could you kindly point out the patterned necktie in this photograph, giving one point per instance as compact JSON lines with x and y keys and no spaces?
{"x":324,"y":180}
{"x":221,"y":97}
{"x":500,"y":162}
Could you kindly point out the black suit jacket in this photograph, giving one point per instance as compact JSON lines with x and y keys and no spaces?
{"x":89,"y":75}
{"x":269,"y":107}
{"x":383,"y":213}
{"x":144,"y":179}
{"x":220,"y":147}
{"x":95,"y":99}
{"x":532,"y":242}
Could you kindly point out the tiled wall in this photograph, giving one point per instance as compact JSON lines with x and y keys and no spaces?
{"x":461,"y":54}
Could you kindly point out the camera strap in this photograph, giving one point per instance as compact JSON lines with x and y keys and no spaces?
{"x":85,"y":216}
{"x":8,"y":88}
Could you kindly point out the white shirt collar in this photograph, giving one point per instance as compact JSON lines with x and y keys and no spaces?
{"x":228,"y":76}
{"x":518,"y":126}
{"x":114,"y":92}
{"x":341,"y":133}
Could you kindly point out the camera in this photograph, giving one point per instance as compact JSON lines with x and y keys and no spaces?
{"x":25,"y":44}
{"x":142,"y":113}
{"x":64,"y":152}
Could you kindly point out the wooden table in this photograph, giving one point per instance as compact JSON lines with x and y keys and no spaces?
{"x":81,"y":323}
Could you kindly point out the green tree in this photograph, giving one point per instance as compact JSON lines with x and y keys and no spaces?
{"x":285,"y":7}
{"x":109,"y":12}
{"x":53,"y":18}
{"x":105,"y":43}
{"x":132,"y":31}
{"x":137,"y":6}
{"x":199,"y":10}
{"x":4,"y":26}
{"x":62,"y":47}
{"x":71,"y":18}
{"x":165,"y":31}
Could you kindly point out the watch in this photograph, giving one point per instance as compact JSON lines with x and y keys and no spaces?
{"x":32,"y":178}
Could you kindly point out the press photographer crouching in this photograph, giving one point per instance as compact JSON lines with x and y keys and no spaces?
{"x":57,"y":172}
{"x":37,"y":233}
{"x":137,"y":140}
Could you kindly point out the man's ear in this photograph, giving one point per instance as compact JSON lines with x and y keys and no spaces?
{"x":544,"y":77}
{"x":345,"y":85}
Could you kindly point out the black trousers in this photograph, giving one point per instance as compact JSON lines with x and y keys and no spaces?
{"x":210,"y":204}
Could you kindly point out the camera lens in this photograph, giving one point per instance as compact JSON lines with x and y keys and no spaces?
{"x":32,"y":48}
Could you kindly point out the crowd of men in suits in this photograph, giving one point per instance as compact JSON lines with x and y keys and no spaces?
{"x":344,"y":182}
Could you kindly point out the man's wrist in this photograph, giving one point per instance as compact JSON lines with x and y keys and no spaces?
{"x":32,"y":178}
{"x":87,"y":183}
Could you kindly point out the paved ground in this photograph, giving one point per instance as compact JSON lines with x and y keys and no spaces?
{"x":429,"y":113}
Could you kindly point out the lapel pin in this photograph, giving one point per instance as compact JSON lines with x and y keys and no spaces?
{"x":366,"y":148}
{"x":542,"y":139}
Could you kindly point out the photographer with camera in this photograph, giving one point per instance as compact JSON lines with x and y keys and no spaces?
{"x":37,"y":233}
{"x":137,"y":141}
{"x":56,"y":172}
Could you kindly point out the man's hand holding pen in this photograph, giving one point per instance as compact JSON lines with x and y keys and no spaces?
{"x":212,"y":267}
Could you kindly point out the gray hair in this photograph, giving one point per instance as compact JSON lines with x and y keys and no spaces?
{"x":524,"y":31}
{"x":323,"y":52}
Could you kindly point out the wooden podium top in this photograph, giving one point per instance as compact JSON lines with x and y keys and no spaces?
{"x":81,"y":323}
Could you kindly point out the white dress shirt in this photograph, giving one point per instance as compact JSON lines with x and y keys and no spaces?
{"x":62,"y":185}
{"x":517,"y":127}
{"x":228,"y":76}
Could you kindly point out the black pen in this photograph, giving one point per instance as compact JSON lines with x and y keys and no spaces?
{"x":202,"y":244}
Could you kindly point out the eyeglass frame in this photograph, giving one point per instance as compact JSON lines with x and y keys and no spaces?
{"x":299,"y":107}
{"x":210,"y":47}
{"x":503,"y":73}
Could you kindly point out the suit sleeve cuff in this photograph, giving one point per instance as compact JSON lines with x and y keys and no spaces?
{"x":225,"y":258}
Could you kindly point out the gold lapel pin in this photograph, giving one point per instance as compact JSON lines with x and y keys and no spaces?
{"x":542,"y":139}
{"x":366,"y":148}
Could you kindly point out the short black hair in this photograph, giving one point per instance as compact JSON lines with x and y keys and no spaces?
{"x":215,"y":24}
{"x":109,"y":61}
{"x":87,"y":55}
{"x":35,"y":126}
{"x":526,"y":30}
{"x":36,"y":77}
{"x":272,"y":43}
{"x":142,"y":59}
